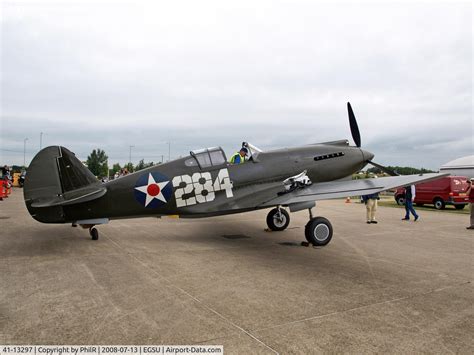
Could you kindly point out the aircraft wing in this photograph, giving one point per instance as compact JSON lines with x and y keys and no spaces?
{"x":337,"y":189}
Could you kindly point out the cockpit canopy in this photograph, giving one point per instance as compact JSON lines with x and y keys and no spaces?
{"x":215,"y":156}
{"x":207,"y":157}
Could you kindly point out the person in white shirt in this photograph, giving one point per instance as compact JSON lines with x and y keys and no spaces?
{"x":410,"y":193}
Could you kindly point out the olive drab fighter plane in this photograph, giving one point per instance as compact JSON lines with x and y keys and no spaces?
{"x":60,"y":189}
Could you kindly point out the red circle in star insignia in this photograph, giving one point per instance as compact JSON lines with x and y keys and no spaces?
{"x":153,"y":190}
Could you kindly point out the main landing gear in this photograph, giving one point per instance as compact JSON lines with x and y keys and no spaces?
{"x":318,"y":231}
{"x":278,"y":219}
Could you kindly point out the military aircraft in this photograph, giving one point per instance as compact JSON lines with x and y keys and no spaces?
{"x":60,"y":189}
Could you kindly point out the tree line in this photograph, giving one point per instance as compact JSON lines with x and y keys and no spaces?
{"x":97,"y":163}
{"x":402,"y":170}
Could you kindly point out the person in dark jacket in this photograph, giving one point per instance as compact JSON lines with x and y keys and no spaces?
{"x":410,"y":193}
{"x":371,"y":206}
{"x":471,"y":203}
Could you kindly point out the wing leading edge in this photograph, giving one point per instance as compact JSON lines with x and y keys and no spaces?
{"x":337,"y":189}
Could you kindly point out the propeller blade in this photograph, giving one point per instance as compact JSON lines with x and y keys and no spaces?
{"x":354,"y":127}
{"x":383,"y":168}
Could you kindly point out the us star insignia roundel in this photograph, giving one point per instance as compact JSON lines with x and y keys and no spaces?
{"x":153,"y":190}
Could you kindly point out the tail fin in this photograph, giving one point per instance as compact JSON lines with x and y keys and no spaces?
{"x":53,"y":172}
{"x":72,"y":172}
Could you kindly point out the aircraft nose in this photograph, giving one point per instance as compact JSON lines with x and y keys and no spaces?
{"x":367,"y":155}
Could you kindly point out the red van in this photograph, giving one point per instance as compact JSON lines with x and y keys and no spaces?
{"x":450,"y":190}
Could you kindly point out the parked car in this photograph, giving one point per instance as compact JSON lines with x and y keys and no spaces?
{"x":450,"y":190}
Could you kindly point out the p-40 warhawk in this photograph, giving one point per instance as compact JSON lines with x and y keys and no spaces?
{"x":60,"y":189}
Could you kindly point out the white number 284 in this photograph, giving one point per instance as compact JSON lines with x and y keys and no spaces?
{"x":202,"y":186}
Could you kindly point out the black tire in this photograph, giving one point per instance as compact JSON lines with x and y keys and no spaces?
{"x":278,"y":222}
{"x":439,"y":203}
{"x":400,"y":200}
{"x":94,"y":233}
{"x":459,"y":207}
{"x":318,"y":231}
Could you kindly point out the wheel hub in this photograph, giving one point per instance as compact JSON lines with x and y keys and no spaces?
{"x":321,"y":232}
{"x":279,"y":219}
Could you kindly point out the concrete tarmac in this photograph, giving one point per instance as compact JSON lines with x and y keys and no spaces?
{"x":394,"y":287}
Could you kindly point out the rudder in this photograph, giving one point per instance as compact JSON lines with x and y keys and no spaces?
{"x":52,"y":172}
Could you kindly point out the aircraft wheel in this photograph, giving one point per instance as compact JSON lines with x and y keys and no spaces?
{"x":318,"y":231}
{"x":278,"y":219}
{"x":94,"y":233}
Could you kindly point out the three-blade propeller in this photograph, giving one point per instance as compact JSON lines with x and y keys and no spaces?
{"x":356,"y":137}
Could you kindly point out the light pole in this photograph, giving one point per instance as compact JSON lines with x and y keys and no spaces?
{"x":24,"y":152}
{"x":41,"y":140}
{"x":130,"y":154}
{"x":107,"y":169}
{"x":169,"y":151}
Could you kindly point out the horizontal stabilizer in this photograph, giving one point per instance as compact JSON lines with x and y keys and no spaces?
{"x":73,"y":197}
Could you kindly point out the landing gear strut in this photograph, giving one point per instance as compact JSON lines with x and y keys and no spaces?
{"x":94,"y":233}
{"x":318,"y":230}
{"x":278,"y":219}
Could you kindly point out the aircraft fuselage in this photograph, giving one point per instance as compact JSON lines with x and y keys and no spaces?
{"x":182,"y":188}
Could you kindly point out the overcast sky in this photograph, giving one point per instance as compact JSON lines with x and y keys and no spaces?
{"x":208,"y":73}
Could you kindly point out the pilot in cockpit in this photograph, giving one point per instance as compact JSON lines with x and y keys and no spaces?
{"x":239,"y":157}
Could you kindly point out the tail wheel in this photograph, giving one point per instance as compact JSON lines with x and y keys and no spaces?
{"x":278,"y":219}
{"x":94,"y":233}
{"x":439,"y":203}
{"x":318,"y":231}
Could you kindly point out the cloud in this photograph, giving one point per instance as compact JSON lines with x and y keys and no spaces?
{"x":207,"y":73}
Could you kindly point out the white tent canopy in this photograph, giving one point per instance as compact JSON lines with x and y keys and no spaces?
{"x":462,"y":166}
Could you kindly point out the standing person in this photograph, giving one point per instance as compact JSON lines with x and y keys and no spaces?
{"x":471,"y":203}
{"x":410,"y":193}
{"x":371,"y":206}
